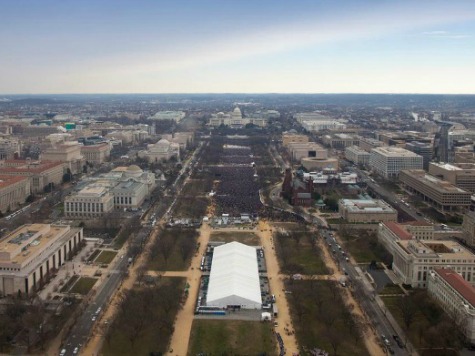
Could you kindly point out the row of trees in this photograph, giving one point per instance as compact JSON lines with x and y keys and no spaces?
{"x":432,"y":327}
{"x":173,"y":240}
{"x":323,"y":319}
{"x":145,"y":312}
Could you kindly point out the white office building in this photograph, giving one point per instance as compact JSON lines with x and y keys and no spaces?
{"x":389,"y":161}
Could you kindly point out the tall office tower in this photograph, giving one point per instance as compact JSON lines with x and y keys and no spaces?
{"x":444,"y":153}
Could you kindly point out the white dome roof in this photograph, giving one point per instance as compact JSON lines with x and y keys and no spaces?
{"x":237,"y":110}
{"x":163,"y":142}
{"x":134,"y":168}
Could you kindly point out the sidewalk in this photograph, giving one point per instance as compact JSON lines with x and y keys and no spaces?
{"x":184,"y":319}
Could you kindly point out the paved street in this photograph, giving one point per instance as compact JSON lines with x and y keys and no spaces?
{"x":366,"y":293}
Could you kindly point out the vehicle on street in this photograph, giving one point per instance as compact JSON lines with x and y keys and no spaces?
{"x":63,"y":352}
{"x":398,"y":341}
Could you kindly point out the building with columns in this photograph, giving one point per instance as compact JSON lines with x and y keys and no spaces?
{"x":91,"y":202}
{"x":456,"y":296}
{"x":96,"y":154}
{"x":13,"y":192}
{"x":29,"y":254}
{"x":68,"y":152}
{"x":40,"y":173}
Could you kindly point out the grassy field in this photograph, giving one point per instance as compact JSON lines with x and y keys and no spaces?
{"x":364,"y":246}
{"x":245,"y":237}
{"x":83,"y":285}
{"x":106,"y":257}
{"x":391,"y":289}
{"x":144,"y":323}
{"x":231,"y":337}
{"x":94,"y":255}
{"x":297,"y":254}
{"x":321,"y":319}
{"x":195,"y":210}
{"x":196,"y":187}
{"x":65,"y":288}
{"x":173,"y":250}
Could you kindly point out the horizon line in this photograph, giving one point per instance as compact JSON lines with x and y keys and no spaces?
{"x":238,"y":93}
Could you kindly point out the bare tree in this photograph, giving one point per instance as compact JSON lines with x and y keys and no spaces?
{"x":187,"y":247}
{"x":165,"y":245}
{"x":335,"y":338}
{"x":408,"y":309}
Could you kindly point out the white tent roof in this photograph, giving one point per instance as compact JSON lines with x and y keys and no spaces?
{"x":234,"y":277}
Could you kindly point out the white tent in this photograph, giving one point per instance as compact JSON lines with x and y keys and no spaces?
{"x":234,"y":277}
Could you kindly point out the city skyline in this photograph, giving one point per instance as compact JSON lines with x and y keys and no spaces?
{"x":215,"y":47}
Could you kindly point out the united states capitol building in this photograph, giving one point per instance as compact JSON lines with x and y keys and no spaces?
{"x":235,"y":119}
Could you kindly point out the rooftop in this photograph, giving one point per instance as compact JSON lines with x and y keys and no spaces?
{"x":398,"y":230}
{"x":22,"y":243}
{"x":366,"y":205}
{"x":455,"y":167}
{"x":392,"y":151}
{"x":458,"y":283}
{"x":25,"y":166}
{"x":436,"y":183}
{"x":5,"y":181}
{"x":437,"y":248}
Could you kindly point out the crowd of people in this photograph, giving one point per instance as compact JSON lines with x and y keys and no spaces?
{"x":281,"y":344}
{"x":237,"y":191}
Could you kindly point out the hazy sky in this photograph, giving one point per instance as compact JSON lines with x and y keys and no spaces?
{"x":299,"y":46}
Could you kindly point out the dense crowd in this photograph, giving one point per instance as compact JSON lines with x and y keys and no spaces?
{"x":237,"y":191}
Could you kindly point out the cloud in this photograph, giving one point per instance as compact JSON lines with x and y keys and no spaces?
{"x":445,"y":34}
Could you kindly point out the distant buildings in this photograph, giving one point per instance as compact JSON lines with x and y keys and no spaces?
{"x":461,"y":175}
{"x":440,"y":194}
{"x":176,"y":116}
{"x":340,"y":140}
{"x":367,"y":144}
{"x":315,"y":121}
{"x":391,"y":232}
{"x":235,"y":119}
{"x":14,"y":190}
{"x":91,"y":202}
{"x":122,"y":188}
{"x":389,"y":161}
{"x":96,"y":153}
{"x":290,"y":137}
{"x":366,"y":211}
{"x":317,"y":164}
{"x":416,"y":254}
{"x":456,"y":296}
{"x":68,"y":153}
{"x":413,"y":260}
{"x":357,"y":155}
{"x":425,"y":150}
{"x":42,"y":174}
{"x":10,"y":148}
{"x":30,"y":254}
{"x":306,"y":150}
{"x":468,"y":227}
{"x":162,"y":150}
{"x":296,"y":191}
